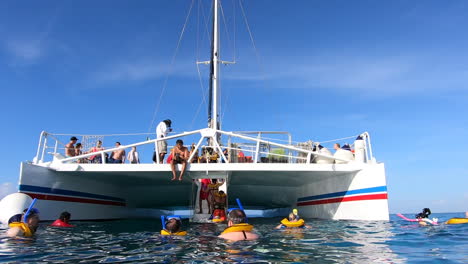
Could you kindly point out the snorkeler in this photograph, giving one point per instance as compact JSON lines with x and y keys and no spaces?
{"x":63,"y":221}
{"x":24,"y":224}
{"x":238,"y":229}
{"x":293,"y":220}
{"x":171,"y":226}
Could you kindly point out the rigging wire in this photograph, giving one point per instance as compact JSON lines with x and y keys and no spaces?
{"x":170,"y":68}
{"x":200,"y":78}
{"x":257,"y":54}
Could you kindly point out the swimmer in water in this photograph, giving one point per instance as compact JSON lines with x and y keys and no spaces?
{"x":292,"y":221}
{"x":63,"y":221}
{"x":238,"y":229}
{"x":172,"y":227}
{"x":25,"y":225}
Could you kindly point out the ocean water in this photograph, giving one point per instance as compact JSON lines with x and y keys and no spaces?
{"x":137,"y":241}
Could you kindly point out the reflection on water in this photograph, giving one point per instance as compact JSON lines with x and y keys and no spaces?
{"x":129,"y":241}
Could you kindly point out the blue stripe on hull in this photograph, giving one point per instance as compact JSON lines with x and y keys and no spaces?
{"x":338,"y":194}
{"x":54,"y":191}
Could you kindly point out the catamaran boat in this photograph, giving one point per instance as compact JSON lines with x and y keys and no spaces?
{"x":267,"y":171}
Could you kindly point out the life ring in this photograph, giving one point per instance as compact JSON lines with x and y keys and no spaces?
{"x":287,"y":223}
{"x":457,"y":220}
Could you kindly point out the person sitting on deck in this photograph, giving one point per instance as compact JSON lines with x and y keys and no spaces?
{"x":180,"y":155}
{"x":195,"y":156}
{"x":172,"y":225}
{"x":23,"y":225}
{"x":238,"y":228}
{"x":63,"y":221}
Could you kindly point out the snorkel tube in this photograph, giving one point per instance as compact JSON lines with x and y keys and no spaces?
{"x":25,"y":218}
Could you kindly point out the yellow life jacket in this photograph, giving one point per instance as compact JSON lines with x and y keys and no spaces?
{"x":287,"y":223}
{"x":213,"y":186}
{"x":238,"y":228}
{"x":165,"y":232}
{"x":26,"y":230}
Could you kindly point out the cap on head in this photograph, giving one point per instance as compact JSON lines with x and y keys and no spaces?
{"x":294,"y":211}
{"x":73,"y":138}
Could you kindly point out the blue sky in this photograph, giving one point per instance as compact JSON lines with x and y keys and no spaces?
{"x":326,"y":69}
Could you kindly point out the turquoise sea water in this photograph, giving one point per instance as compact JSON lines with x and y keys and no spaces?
{"x":137,"y":241}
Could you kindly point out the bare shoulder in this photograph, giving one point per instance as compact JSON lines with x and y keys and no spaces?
{"x":14,"y":232}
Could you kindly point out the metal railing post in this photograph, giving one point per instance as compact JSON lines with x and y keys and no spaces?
{"x":156,"y":149}
{"x":56,"y":146}
{"x":258,"y":147}
{"x":44,"y":147}
{"x":36,"y":159}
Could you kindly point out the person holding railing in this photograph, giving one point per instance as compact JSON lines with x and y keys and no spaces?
{"x":96,"y":158}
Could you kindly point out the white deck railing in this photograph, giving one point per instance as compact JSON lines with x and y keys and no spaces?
{"x":258,"y":148}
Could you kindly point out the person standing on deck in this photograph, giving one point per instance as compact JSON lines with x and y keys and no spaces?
{"x":162,"y":129}
{"x":70,"y":147}
{"x":133,"y":157}
{"x":117,"y":156}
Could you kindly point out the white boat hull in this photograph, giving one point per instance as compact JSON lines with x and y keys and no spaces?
{"x":113,"y":191}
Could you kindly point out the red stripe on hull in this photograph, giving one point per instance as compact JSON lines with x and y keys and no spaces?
{"x":380,"y":196}
{"x":72,"y":199}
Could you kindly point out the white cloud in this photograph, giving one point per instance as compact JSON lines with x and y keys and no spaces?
{"x":7,"y":188}
{"x":373,"y":76}
{"x":142,"y":70}
{"x":25,"y":51}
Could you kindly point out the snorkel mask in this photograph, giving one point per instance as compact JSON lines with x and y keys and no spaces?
{"x":165,"y":219}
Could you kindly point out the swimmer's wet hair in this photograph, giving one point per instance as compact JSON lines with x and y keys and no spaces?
{"x":237,"y":216}
{"x":65,"y":215}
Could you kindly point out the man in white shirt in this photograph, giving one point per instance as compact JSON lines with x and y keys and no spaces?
{"x":162,"y":129}
{"x":133,"y":157}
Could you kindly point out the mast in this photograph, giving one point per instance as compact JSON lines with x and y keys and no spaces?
{"x":214,"y":63}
